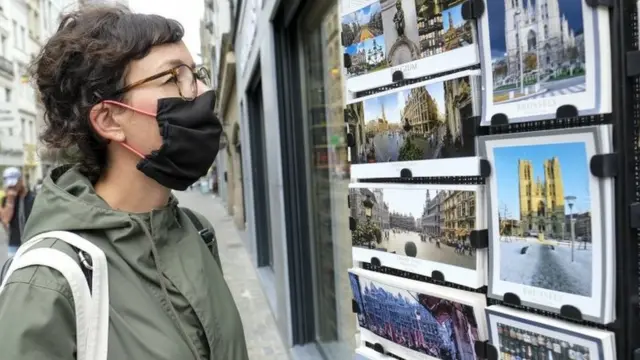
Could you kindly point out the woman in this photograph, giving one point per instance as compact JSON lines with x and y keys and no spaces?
{"x":121,"y":90}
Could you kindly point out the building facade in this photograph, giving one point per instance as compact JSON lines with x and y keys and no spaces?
{"x":540,"y":31}
{"x":459,"y":215}
{"x":24,"y":26}
{"x":219,"y":56}
{"x":542,"y":200}
{"x":431,"y":213}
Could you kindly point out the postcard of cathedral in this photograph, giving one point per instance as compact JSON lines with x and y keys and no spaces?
{"x":417,"y":320}
{"x":550,"y":220}
{"x":531,"y":336}
{"x":539,"y":55}
{"x":424,"y":122}
{"x":420,"y":228}
{"x":416,"y":37}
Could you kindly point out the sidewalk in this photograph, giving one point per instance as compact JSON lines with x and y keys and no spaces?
{"x":263,"y":339}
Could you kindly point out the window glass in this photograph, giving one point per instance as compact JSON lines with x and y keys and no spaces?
{"x":329,"y":179}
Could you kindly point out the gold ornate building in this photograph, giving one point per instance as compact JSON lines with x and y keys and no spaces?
{"x":541,"y":201}
{"x":459,"y":214}
{"x":421,"y":111}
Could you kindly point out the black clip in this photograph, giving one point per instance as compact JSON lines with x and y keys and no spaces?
{"x":485,"y":350}
{"x":633,"y":63}
{"x":347,"y":60}
{"x":566,"y":111}
{"x":485,"y":168}
{"x":604,"y":165}
{"x":597,"y":3}
{"x":410,"y":249}
{"x":437,"y":275}
{"x":476,"y":128}
{"x":207,"y":236}
{"x":571,"y":312}
{"x":499,"y":119}
{"x":352,"y":223}
{"x":397,"y":76}
{"x":511,"y":299}
{"x":355,"y":307}
{"x":351,"y":140}
{"x":225,"y":176}
{"x":342,"y":41}
{"x":634,"y":215}
{"x":472,"y":9}
{"x":348,"y":201}
{"x":375,"y":262}
{"x":378,"y":348}
{"x":406,"y":173}
{"x":479,"y":239}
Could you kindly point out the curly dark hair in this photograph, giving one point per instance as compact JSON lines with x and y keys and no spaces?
{"x":85,"y":62}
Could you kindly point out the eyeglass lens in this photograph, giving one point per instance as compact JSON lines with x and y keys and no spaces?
{"x":187,"y":81}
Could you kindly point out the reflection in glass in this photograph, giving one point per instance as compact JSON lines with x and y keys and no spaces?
{"x":329,"y":178}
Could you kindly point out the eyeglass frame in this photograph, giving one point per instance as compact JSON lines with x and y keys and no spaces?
{"x":200,"y":73}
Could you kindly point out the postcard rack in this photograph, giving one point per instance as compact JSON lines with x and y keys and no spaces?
{"x":613,"y":165}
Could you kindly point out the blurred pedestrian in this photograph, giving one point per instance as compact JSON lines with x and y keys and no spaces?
{"x":122,"y":90}
{"x":16,"y":206}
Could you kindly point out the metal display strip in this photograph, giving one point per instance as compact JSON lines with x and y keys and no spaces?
{"x":626,"y":106}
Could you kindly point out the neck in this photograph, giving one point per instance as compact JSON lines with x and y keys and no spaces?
{"x":125,"y":188}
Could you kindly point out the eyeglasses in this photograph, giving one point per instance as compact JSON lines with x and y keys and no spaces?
{"x":184,"y":76}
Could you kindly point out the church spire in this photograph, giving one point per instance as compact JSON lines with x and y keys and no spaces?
{"x":384,"y":116}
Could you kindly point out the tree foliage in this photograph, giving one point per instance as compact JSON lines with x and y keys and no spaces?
{"x":409,"y":151}
{"x":366,"y":232}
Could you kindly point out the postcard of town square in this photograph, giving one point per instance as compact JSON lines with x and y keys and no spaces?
{"x":363,"y":37}
{"x":433,"y":225}
{"x":425,"y":122}
{"x":440,"y":328}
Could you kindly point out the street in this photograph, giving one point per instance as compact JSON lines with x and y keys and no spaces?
{"x":542,"y":267}
{"x":428,"y":250}
{"x":552,"y":88}
{"x":562,"y":87}
{"x":263,"y":339}
{"x":387,"y":146}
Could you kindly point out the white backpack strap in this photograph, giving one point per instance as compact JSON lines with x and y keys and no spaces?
{"x":98,"y":320}
{"x":69,"y":268}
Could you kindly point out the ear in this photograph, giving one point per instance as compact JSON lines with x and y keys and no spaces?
{"x":104,"y":123}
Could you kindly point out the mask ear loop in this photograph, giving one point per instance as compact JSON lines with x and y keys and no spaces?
{"x":113,"y":102}
{"x":127,"y":146}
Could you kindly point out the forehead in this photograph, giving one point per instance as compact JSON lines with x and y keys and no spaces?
{"x":160,"y":58}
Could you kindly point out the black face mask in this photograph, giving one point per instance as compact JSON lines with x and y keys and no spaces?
{"x":190,"y":141}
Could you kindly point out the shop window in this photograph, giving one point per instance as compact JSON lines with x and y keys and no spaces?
{"x":329,"y":179}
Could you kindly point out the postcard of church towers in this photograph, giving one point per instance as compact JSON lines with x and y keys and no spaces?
{"x":550,"y":220}
{"x":539,"y":55}
{"x":415,"y":37}
{"x":420,"y":228}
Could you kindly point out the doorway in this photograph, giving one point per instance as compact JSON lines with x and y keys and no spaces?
{"x":264,"y":243}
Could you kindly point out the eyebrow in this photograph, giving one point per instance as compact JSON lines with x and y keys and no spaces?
{"x":173,"y":63}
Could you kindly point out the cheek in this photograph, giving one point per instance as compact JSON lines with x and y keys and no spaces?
{"x":148,"y":133}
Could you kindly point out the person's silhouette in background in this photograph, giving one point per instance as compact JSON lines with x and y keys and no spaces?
{"x":16,"y":206}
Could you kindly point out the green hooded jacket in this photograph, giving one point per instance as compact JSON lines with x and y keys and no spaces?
{"x":168,"y":297}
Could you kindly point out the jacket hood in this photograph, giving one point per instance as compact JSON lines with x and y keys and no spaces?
{"x":67,"y":201}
